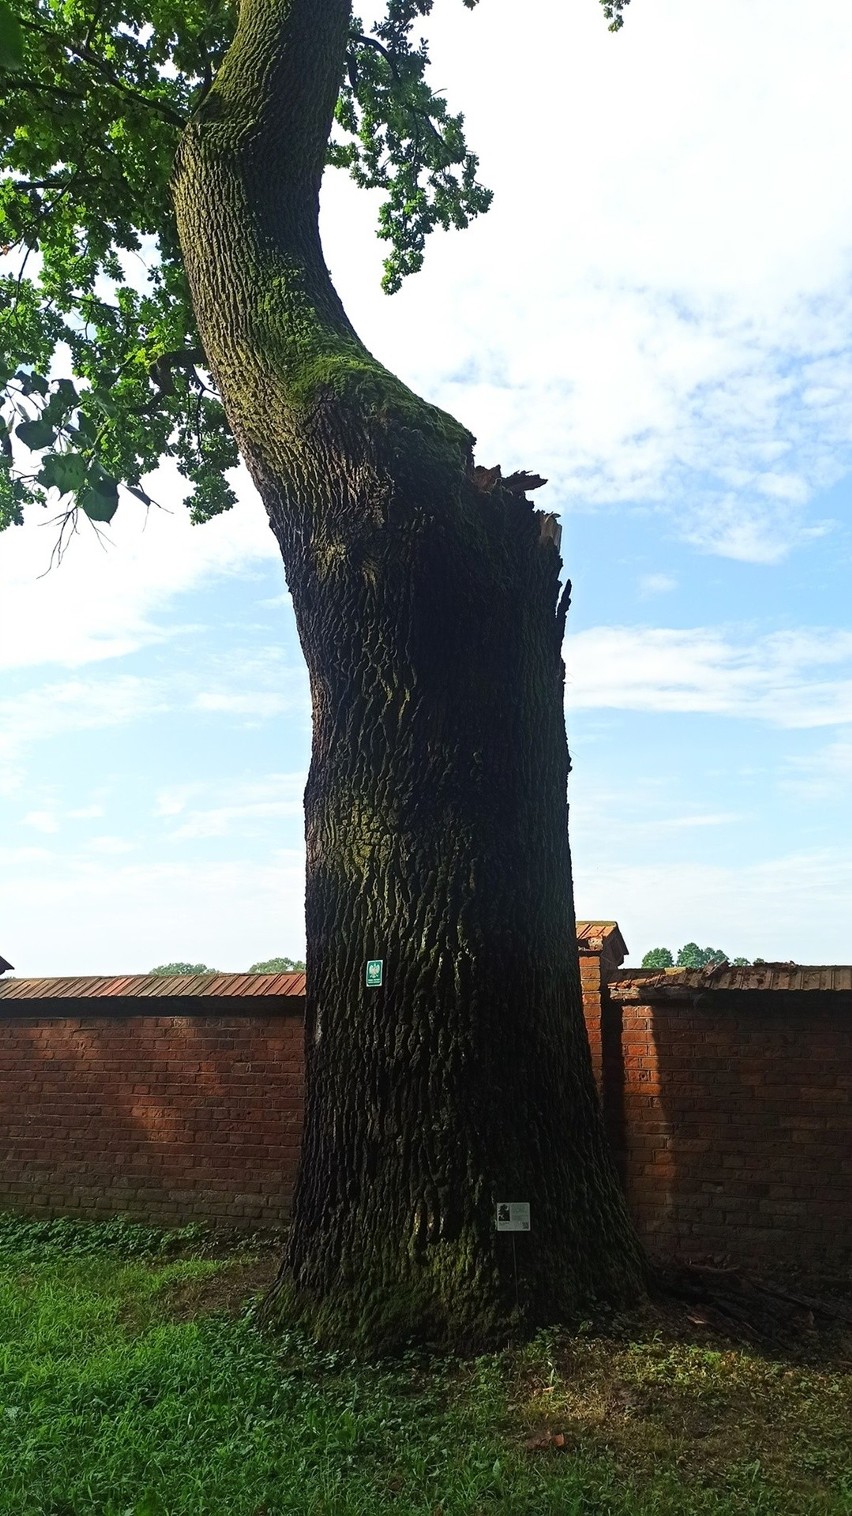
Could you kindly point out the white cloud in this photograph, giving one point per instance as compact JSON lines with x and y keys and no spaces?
{"x":660,"y":300}
{"x":256,"y":682}
{"x":171,"y":801}
{"x":47,"y":711}
{"x":228,"y":913}
{"x":685,"y":823}
{"x":656,"y":584}
{"x":103,"y":699}
{"x":794,"y":904}
{"x":99,"y":604}
{"x":78,"y":704}
{"x":256,"y":703}
{"x":747,"y":531}
{"x":110,"y":846}
{"x":41,"y":821}
{"x":823,"y":774}
{"x":772,"y":678}
{"x":245,"y":807}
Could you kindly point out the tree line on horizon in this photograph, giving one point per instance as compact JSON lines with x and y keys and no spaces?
{"x":265,"y":966}
{"x":691,"y":956}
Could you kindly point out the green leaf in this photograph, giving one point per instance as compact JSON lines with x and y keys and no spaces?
{"x":30,"y":383}
{"x":86,"y":427}
{"x":100,"y":497}
{"x":63,"y":472}
{"x":139,"y":493}
{"x":104,"y":402}
{"x":35,"y":434}
{"x":11,"y":40}
{"x":11,"y":511}
{"x":108,"y":194}
{"x":63,"y":399}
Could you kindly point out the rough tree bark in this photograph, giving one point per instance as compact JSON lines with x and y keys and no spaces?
{"x":435,"y":807}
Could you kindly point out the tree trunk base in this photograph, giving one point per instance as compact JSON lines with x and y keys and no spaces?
{"x":481,"y":1316}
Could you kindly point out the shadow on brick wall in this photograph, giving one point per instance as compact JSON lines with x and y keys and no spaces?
{"x":730,"y":1117}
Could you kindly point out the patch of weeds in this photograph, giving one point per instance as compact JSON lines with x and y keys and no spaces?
{"x":132,"y":1384}
{"x":25,"y":1240}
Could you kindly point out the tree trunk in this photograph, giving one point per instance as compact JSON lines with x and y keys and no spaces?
{"x":435,"y":808}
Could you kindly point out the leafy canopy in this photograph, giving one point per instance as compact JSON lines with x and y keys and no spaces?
{"x":267,"y":966}
{"x":92,"y":288}
{"x":165,"y":970}
{"x":658,"y":958}
{"x":690,"y":956}
{"x":278,"y":966}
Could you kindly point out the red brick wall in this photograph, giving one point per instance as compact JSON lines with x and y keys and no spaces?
{"x":732,"y":1121}
{"x":162,"y":1118}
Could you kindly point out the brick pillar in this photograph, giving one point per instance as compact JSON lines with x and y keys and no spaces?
{"x":602,"y":951}
{"x":590,"y":981}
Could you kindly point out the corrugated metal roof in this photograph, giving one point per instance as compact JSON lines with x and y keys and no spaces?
{"x":156,"y":986}
{"x":590,"y":934}
{"x":654,"y":984}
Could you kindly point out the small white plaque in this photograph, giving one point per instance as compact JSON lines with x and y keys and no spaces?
{"x":513,"y":1216}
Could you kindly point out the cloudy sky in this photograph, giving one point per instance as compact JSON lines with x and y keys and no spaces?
{"x":657,"y":315}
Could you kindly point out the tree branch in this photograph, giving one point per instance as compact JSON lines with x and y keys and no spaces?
{"x":181,"y":358}
{"x":380,"y":48}
{"x":36,"y":86}
{"x":102,"y":68}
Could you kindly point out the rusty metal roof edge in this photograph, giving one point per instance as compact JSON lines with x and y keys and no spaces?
{"x":775,"y":978}
{"x":154,"y":987}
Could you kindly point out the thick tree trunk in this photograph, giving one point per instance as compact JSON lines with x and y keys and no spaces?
{"x":436,"y":818}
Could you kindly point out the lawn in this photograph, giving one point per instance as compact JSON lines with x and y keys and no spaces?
{"x":133,"y":1382}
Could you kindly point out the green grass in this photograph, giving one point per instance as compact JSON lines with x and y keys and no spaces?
{"x":133,"y":1382}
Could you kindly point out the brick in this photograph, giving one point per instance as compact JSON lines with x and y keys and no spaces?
{"x":729,"y":1119}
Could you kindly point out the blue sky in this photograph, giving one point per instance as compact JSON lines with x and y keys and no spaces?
{"x":657,"y":315}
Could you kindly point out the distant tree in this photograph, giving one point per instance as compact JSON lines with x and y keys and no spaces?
{"x":740,"y":963}
{"x":658,"y":958}
{"x":183,"y":968}
{"x":691,"y":956}
{"x":278,"y":966}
